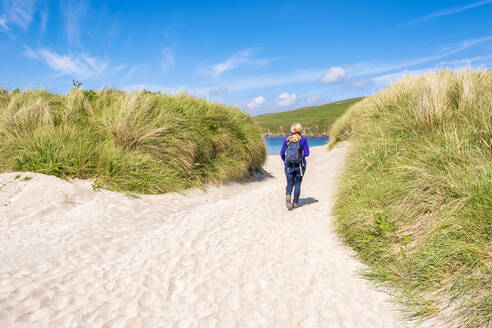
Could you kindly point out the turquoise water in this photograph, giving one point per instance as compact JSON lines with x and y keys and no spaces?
{"x":274,"y":144}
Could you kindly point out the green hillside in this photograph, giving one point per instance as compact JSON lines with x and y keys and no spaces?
{"x":316,"y":120}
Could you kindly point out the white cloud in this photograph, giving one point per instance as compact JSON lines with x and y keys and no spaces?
{"x":286,"y":99}
{"x":263,"y":81}
{"x":168,"y":59}
{"x":74,"y":13}
{"x":313,"y":99}
{"x":255,"y":102}
{"x":28,"y":52}
{"x":455,"y":65}
{"x":131,"y":71}
{"x":367,"y":69}
{"x":334,"y":75}
{"x":363,"y":73}
{"x":394,"y":77}
{"x":3,"y":23}
{"x":232,"y":62}
{"x":362,"y":83}
{"x":357,"y":70}
{"x":464,"y":61}
{"x":18,"y":12}
{"x":242,"y":58}
{"x":119,"y":68}
{"x":77,"y":66}
{"x":218,"y":91}
{"x":450,"y":11}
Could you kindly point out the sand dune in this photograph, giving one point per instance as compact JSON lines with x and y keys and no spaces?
{"x":230,"y":257}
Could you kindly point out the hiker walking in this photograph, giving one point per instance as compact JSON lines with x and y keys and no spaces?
{"x":294,"y":151}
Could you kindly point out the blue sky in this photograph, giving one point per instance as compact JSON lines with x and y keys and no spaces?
{"x":261,"y":56}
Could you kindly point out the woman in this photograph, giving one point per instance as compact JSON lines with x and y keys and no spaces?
{"x":294,"y":151}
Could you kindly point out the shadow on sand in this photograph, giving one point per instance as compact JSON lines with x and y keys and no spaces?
{"x":307,"y":201}
{"x":258,"y":175}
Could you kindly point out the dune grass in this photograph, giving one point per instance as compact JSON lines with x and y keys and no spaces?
{"x":415,"y":198}
{"x":316,"y":120}
{"x":139,"y":142}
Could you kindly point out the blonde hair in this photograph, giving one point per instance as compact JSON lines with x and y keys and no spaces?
{"x":296,"y":127}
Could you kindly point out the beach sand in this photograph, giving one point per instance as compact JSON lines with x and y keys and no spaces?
{"x":229,"y":257}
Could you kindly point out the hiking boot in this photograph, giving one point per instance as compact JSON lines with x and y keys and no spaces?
{"x":296,"y":205}
{"x":288,"y":203}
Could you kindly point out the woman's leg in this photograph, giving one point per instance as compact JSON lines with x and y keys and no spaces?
{"x":297,"y":188}
{"x":289,"y":174}
{"x":297,"y":184}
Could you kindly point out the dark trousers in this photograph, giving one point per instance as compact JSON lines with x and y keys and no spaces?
{"x":294,"y":180}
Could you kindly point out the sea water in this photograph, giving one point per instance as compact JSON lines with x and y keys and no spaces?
{"x":274,"y":144}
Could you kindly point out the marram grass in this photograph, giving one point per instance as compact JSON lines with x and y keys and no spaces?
{"x":415,"y":198}
{"x":139,"y":142}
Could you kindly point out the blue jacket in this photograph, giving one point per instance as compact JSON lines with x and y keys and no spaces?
{"x":304,"y":146}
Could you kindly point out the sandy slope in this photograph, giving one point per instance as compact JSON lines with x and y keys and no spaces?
{"x":234,"y":256}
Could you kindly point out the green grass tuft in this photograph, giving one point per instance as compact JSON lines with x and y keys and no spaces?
{"x":415,"y":198}
{"x":138,"y":142}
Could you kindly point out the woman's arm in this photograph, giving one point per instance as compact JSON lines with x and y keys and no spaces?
{"x":282,"y":150}
{"x":305,"y":147}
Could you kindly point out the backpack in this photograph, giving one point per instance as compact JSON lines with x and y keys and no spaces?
{"x":293,"y":152}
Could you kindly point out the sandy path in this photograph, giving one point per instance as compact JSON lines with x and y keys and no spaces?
{"x":231,"y":257}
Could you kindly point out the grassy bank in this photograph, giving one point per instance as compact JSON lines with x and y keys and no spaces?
{"x":316,"y":120}
{"x":139,"y":142}
{"x":415,"y":199}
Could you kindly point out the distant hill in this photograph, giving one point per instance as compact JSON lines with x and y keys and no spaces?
{"x":316,"y":120}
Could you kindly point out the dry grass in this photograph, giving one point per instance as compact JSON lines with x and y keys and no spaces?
{"x":415,"y":200}
{"x":141,"y":142}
